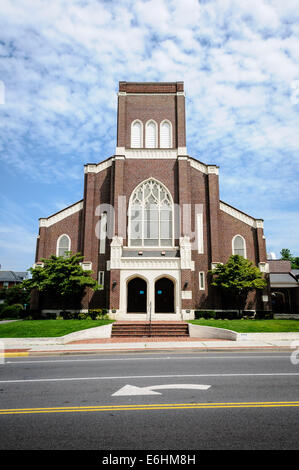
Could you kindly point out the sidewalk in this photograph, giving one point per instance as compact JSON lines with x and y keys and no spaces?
{"x":57,"y":346}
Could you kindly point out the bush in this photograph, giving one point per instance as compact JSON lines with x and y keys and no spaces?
{"x":227,"y":315}
{"x":206,"y":314}
{"x":84,"y":316}
{"x":263,"y":315}
{"x":33,"y":314}
{"x":49,"y":316}
{"x":66,"y":315}
{"x":11,"y":311}
{"x":98,"y":313}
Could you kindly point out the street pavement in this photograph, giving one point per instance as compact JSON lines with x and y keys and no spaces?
{"x":151,"y":400}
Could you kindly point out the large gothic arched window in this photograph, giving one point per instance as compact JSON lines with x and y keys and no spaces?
{"x":151,"y":216}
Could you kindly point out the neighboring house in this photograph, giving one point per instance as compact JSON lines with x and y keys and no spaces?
{"x":11,"y":278}
{"x":284,"y":285}
{"x":151,"y":225}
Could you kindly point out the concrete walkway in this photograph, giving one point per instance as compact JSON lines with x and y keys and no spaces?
{"x":43,"y":346}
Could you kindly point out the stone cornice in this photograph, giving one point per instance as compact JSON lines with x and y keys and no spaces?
{"x":247,"y":219}
{"x":97,"y":167}
{"x":53,"y":219}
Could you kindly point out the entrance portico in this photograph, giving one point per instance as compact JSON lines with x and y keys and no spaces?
{"x":155,"y":288}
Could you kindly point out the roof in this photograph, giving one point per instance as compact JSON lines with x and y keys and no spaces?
{"x":279,"y":265}
{"x":12,"y":276}
{"x":282,"y":280}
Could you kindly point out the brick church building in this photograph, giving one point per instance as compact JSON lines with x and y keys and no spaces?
{"x":151,"y":225}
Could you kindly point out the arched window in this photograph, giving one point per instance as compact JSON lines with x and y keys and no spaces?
{"x":151,"y":215}
{"x":165,"y":135}
{"x":151,"y":134}
{"x":63,"y":245}
{"x":239,"y":246}
{"x":136,"y":135}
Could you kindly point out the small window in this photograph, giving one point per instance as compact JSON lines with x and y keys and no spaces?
{"x":136,"y":135}
{"x":151,"y":135}
{"x":165,"y":135}
{"x":63,"y":245}
{"x":201,"y":281}
{"x":5,"y":284}
{"x":101,"y":279}
{"x":239,"y":246}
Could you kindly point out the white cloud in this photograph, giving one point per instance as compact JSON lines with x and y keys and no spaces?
{"x":61,"y":62}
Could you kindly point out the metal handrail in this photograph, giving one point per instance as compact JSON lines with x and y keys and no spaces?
{"x":150,"y":319}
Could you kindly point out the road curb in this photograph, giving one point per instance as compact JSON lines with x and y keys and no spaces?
{"x":134,"y":350}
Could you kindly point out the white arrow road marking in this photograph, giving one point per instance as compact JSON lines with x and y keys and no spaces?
{"x":133,"y":390}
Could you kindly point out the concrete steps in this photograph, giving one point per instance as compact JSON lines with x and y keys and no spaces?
{"x":144,"y":329}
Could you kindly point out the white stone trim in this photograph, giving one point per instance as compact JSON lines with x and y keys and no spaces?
{"x":214,"y":264}
{"x":264,"y":267}
{"x":86,"y":265}
{"x":213,"y":169}
{"x":53,"y":219}
{"x":145,"y":263}
{"x":256,"y":223}
{"x":120,"y":151}
{"x":199,"y":166}
{"x":186,"y":294}
{"x":97,"y":167}
{"x":39,"y":264}
{"x":149,"y":153}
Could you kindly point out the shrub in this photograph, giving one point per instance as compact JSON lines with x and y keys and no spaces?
{"x":35,"y":314}
{"x":83,"y":316}
{"x":263,"y":315}
{"x":49,"y":316}
{"x":66,"y":315}
{"x":11,"y":311}
{"x":98,"y":313}
{"x":227,"y":315}
{"x":206,"y":314}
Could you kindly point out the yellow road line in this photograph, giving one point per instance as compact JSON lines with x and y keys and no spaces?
{"x":171,"y":406}
{"x":14,"y":354}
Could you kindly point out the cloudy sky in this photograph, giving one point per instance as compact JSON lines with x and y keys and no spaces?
{"x":60,"y":64}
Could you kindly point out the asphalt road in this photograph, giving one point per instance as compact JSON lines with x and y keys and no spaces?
{"x":69,"y":402}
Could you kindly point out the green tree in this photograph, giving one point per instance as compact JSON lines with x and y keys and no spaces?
{"x":238,"y":277}
{"x":287,"y":255}
{"x":62,"y":276}
{"x":16,"y":295}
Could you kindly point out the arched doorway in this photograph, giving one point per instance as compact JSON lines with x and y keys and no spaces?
{"x":164,"y":296}
{"x":137,"y":295}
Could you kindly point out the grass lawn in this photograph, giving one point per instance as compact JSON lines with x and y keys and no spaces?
{"x":46,"y":328}
{"x":252,"y":326}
